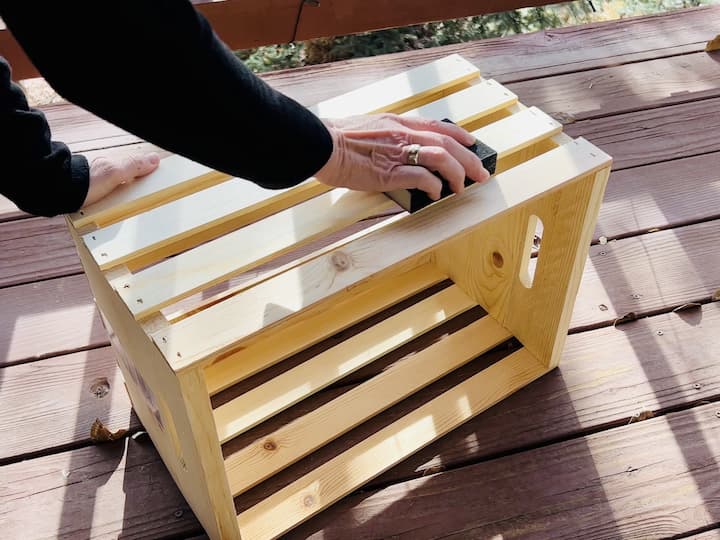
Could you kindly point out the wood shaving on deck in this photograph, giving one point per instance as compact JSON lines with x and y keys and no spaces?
{"x":99,"y":433}
{"x":713,"y":44}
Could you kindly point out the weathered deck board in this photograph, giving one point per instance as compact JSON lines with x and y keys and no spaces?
{"x":524,"y":421}
{"x":35,"y":249}
{"x":650,"y":480}
{"x":114,"y":490}
{"x":52,"y":403}
{"x":605,"y":377}
{"x":654,"y":135}
{"x":522,"y":57}
{"x":607,"y":374}
{"x":9,"y":211}
{"x":660,"y":196}
{"x":625,"y":88}
{"x":48,"y":318}
{"x":648,"y":273}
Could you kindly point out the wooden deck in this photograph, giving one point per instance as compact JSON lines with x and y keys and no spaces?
{"x":623,"y":440}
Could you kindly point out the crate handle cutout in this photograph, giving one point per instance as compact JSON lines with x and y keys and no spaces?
{"x":531,"y":250}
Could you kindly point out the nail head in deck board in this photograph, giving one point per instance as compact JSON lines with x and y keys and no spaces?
{"x":606,"y":485}
{"x":35,"y":249}
{"x":48,"y":317}
{"x":50,"y":403}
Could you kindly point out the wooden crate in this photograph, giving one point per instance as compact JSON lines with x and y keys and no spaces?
{"x":205,"y":281}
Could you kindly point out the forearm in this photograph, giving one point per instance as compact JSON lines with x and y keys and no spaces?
{"x":40,"y":176}
{"x":157,"y":70}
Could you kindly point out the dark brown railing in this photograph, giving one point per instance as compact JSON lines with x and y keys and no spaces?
{"x":242,"y":24}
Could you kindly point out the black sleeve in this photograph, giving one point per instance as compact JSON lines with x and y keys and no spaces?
{"x":40,"y":176}
{"x":156,"y":69}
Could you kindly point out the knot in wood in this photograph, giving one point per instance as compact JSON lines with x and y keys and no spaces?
{"x":100,"y":387}
{"x":497,"y":259}
{"x":308,"y":501}
{"x":341,"y":261}
{"x":270,"y":446}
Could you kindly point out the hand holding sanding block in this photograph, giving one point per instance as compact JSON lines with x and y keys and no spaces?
{"x":415,"y":199}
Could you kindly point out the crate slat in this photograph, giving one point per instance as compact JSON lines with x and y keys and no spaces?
{"x":179,"y":176}
{"x":241,"y":250}
{"x":334,"y":479}
{"x":367,"y":258}
{"x":468,"y":105}
{"x":294,"y":385}
{"x":175,"y":177}
{"x":148,"y":237}
{"x":297,"y":439}
{"x":175,"y":278}
{"x":176,"y":226}
{"x":294,"y":336}
{"x":402,"y":91}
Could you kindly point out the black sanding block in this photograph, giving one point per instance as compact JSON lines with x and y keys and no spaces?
{"x":413,"y":200}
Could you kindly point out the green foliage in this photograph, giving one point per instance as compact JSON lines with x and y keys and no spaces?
{"x":422,"y":36}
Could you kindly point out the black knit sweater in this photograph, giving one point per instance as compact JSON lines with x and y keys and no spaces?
{"x":156,"y":69}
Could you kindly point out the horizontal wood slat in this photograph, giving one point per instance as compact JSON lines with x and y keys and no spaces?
{"x":246,"y":248}
{"x":399,"y":242}
{"x":113,"y":490}
{"x":402,"y":91}
{"x":293,"y":337}
{"x":337,"y":477}
{"x":325,"y":368}
{"x":605,"y":485}
{"x":300,"y":437}
{"x":35,"y":249}
{"x":523,"y":57}
{"x":681,"y":262}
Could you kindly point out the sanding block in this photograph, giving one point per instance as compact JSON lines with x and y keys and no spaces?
{"x":415,"y":199}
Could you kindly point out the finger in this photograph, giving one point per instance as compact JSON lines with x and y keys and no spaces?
{"x":436,"y":158}
{"x":411,"y":177}
{"x":135,"y":166}
{"x":436,"y":126}
{"x":471,"y":164}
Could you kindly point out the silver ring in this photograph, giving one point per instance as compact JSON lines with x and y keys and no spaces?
{"x":413,"y":155}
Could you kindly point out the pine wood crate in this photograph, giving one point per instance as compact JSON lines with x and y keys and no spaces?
{"x":156,"y":251}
